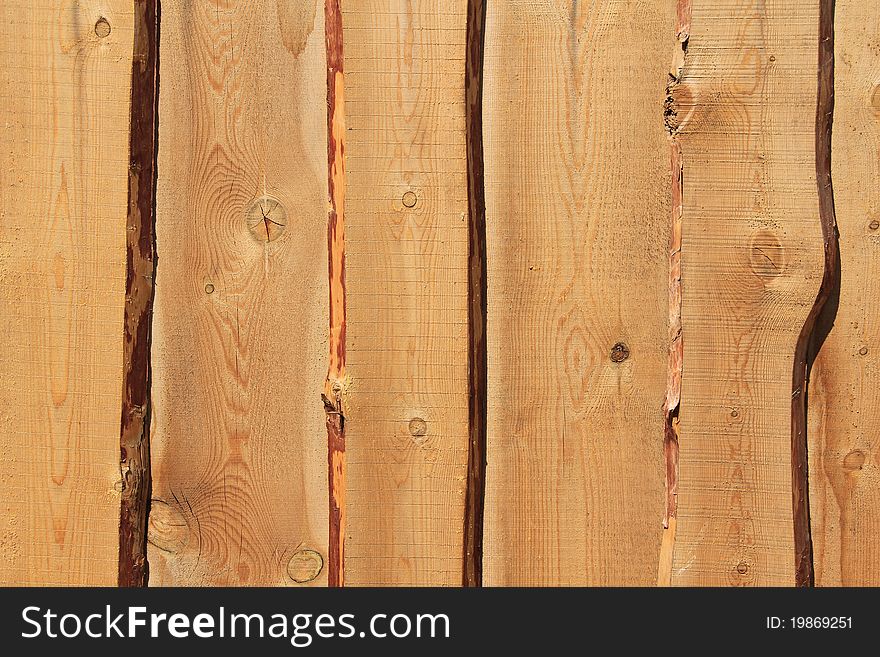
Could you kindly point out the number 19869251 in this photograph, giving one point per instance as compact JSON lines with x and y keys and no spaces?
{"x":809,"y":623}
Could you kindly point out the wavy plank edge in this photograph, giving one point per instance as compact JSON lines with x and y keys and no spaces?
{"x":821,"y":316}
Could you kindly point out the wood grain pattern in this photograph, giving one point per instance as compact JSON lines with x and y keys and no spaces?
{"x":64,"y":85}
{"x":844,"y":429}
{"x":752,"y":262}
{"x":240,"y":329}
{"x":578,"y":221}
{"x":406,"y":392}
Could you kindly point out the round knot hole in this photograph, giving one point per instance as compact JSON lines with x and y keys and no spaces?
{"x":619,"y":352}
{"x":410,"y":199}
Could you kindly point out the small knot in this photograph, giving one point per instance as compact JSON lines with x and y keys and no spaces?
{"x":418,"y":428}
{"x":619,"y":352}
{"x":102,"y":28}
{"x":409,"y":199}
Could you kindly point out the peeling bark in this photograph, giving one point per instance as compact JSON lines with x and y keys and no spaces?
{"x":333,"y":386}
{"x":674,"y":368}
{"x":682,"y":35}
{"x":676,"y":345}
{"x":821,"y":317}
{"x":134,"y":438}
{"x":472,"y":574}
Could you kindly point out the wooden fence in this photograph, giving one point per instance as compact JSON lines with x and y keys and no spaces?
{"x":440,"y":292}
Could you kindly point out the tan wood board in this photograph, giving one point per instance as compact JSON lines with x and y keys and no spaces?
{"x":406,"y":262}
{"x":64,"y":85}
{"x":844,"y":454}
{"x":578,"y":217}
{"x":240,"y":326}
{"x":751,"y":267}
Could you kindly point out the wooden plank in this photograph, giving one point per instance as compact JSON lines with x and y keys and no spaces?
{"x":844,"y":453}
{"x":743,"y":111}
{"x":63,"y":184}
{"x":406,"y":389}
{"x":240,"y":329}
{"x":578,"y":222}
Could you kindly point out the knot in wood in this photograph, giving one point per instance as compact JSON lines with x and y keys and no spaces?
{"x":266,"y":218}
{"x":305,"y":565}
{"x":102,"y":28}
{"x":619,"y":352}
{"x":409,"y":199}
{"x":418,"y":428}
{"x":167,"y":528}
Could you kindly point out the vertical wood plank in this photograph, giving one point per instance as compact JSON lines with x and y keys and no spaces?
{"x":844,"y":454}
{"x":744,"y":112}
{"x":406,"y":390}
{"x":578,"y":218}
{"x":63,"y":183}
{"x":240,"y":330}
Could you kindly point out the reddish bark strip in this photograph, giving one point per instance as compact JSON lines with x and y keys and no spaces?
{"x":134,"y":439}
{"x":821,"y":317}
{"x":672,"y":403}
{"x":472,"y":573}
{"x":332,"y":395}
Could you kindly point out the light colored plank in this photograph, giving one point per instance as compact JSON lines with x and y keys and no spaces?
{"x":406,"y":268}
{"x":578,"y":216}
{"x":844,"y":454}
{"x":63,"y":185}
{"x":240,"y":328}
{"x":751,"y":267}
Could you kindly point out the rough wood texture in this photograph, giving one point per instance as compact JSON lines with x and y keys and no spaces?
{"x":821,"y":317}
{"x":64,"y":85}
{"x":475,"y":496}
{"x":134,"y":436}
{"x":240,"y":330}
{"x":577,"y":192}
{"x":406,"y":396}
{"x":844,"y":453}
{"x":332,"y":394}
{"x":744,"y":113}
